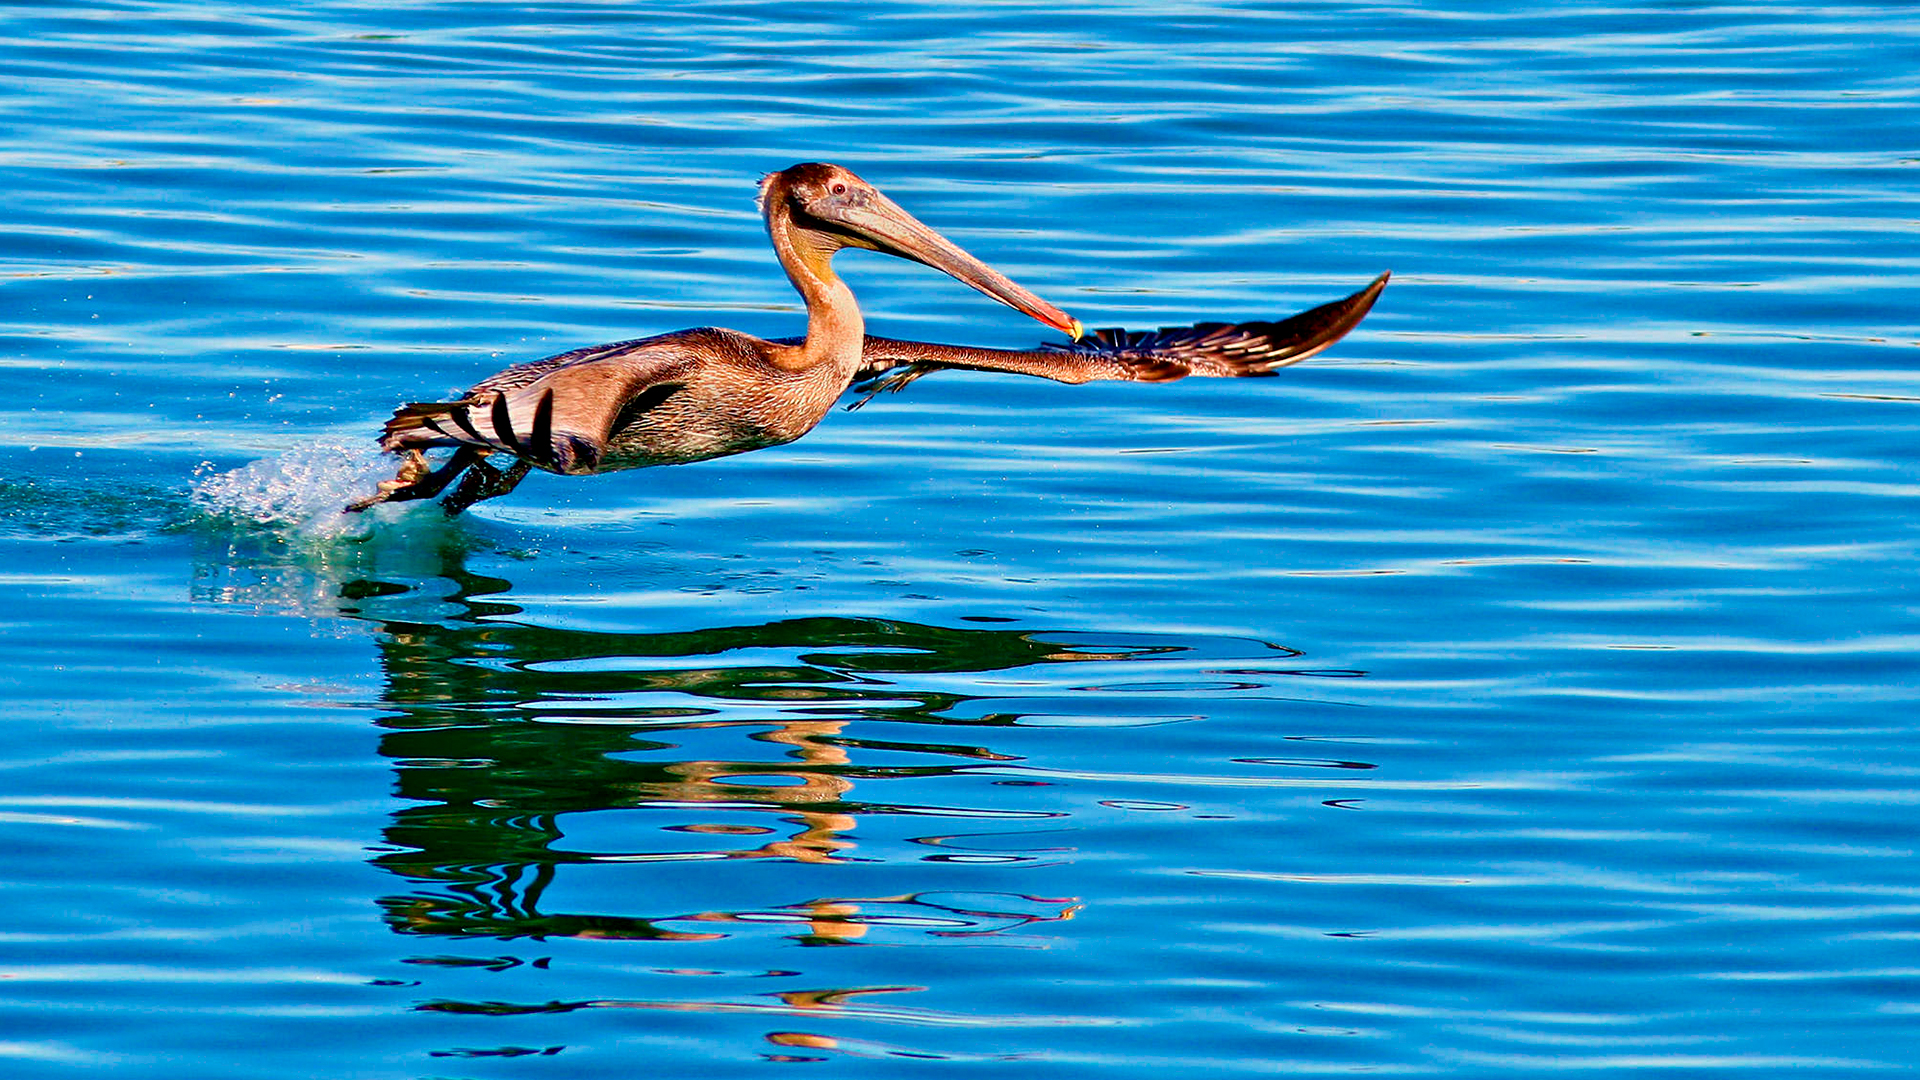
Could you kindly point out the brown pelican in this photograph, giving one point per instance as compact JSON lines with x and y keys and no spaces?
{"x":707,"y":392}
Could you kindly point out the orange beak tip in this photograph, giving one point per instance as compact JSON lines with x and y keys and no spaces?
{"x":1075,"y":330}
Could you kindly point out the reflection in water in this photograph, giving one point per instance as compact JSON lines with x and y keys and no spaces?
{"x":864,"y":1003}
{"x":502,"y":729}
{"x":523,"y":750}
{"x":506,"y":737}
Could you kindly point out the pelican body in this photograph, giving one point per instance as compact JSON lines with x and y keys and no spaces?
{"x":704,"y":393}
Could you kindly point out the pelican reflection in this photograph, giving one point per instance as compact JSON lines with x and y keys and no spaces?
{"x":521,"y":750}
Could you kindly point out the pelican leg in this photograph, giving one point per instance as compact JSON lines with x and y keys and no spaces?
{"x":416,"y":480}
{"x":483,"y":481}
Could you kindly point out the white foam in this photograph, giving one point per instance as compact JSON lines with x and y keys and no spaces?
{"x":302,"y":490}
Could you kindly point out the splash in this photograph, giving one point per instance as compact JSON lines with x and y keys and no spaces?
{"x":272,"y":536}
{"x":301,"y":491}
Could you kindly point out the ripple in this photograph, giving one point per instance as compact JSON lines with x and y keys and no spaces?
{"x":1600,"y":520}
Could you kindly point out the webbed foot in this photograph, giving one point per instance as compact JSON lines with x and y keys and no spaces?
{"x":483,"y":481}
{"x":416,"y":479}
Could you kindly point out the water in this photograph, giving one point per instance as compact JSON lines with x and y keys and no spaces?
{"x":1526,"y":684}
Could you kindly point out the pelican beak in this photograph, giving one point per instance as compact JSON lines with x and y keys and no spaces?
{"x":879,"y":223}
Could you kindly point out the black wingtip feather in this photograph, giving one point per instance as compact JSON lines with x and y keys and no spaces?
{"x":503,"y":423}
{"x":459,"y":414}
{"x":540,"y":444}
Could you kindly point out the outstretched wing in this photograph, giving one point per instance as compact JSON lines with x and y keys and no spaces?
{"x":1212,"y":349}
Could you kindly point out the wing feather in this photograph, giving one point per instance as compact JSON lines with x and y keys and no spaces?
{"x":558,"y":412}
{"x":1215,"y":349}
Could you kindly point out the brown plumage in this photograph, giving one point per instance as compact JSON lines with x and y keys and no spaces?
{"x":1222,"y":350}
{"x":694,"y":394}
{"x":703,"y":393}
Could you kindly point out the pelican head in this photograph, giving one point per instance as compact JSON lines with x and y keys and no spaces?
{"x":822,"y":208}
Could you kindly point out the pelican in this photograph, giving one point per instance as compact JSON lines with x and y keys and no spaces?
{"x":704,"y":393}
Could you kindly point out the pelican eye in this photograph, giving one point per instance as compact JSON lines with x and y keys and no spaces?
{"x":839,"y":187}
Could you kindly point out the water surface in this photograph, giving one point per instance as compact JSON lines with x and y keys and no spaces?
{"x":1527,"y":684}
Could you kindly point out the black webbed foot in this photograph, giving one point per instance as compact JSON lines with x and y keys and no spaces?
{"x":483,"y":481}
{"x":416,"y":480}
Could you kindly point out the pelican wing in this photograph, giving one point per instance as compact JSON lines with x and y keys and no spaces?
{"x":558,"y":413}
{"x":1211,"y":349}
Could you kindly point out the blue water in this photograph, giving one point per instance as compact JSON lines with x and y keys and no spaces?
{"x":1528,"y":684}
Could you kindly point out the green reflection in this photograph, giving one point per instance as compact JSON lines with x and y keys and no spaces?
{"x":505,"y":735}
{"x":523,"y":752}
